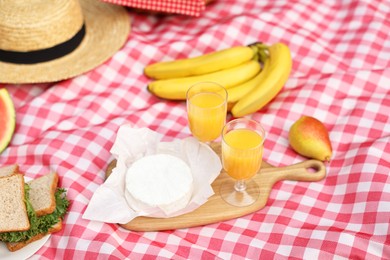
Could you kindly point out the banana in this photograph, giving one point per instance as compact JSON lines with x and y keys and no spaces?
{"x":237,"y":92}
{"x":176,"y":89}
{"x":204,"y":64}
{"x":280,"y":64}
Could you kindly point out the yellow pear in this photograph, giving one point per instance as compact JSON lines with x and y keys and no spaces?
{"x":309,"y":137}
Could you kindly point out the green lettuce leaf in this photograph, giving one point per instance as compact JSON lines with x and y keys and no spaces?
{"x":39,"y":224}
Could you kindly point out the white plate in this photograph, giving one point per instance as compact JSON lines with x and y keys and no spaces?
{"x":24,"y":252}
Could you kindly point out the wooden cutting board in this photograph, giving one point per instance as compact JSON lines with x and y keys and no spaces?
{"x":216,"y":209}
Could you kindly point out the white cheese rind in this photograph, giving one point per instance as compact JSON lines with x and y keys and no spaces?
{"x":161,"y":180}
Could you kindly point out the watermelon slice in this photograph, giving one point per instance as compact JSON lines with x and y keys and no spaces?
{"x":7,"y":119}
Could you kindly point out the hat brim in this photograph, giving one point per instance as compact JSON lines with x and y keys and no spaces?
{"x":107,"y":29}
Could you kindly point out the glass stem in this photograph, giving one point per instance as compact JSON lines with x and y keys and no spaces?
{"x":240,"y":185}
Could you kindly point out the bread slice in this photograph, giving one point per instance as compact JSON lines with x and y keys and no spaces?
{"x":42,"y":193}
{"x":9,"y":170}
{"x":16,"y":246}
{"x":13,"y":213}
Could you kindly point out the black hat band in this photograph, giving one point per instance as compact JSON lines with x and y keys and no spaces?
{"x":48,"y":54}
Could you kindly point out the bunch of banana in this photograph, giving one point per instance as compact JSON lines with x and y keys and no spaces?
{"x":229,"y":67}
{"x":276,"y":70}
{"x":252,"y":75}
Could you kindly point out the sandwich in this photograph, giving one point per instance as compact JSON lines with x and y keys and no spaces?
{"x":29,"y":210}
{"x":9,"y":170}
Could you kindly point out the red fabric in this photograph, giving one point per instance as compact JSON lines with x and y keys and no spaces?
{"x":341,"y":75}
{"x":186,"y":7}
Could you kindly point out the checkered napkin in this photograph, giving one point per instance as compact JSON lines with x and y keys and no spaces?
{"x":186,"y":7}
{"x":340,"y":75}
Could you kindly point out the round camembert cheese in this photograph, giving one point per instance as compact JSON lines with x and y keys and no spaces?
{"x":159,"y":180}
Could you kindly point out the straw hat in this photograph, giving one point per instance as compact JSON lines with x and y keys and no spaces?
{"x":46,"y":41}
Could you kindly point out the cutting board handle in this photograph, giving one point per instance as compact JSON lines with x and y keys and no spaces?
{"x":310,"y":170}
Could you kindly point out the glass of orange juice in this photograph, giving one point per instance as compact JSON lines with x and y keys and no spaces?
{"x":242,"y":154}
{"x":206,"y":109}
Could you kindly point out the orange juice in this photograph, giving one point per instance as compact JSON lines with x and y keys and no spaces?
{"x":242,"y":152}
{"x":206,"y":115}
